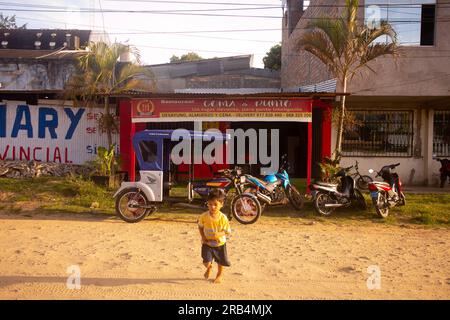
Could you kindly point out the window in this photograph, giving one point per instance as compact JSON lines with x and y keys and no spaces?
{"x":148,"y":150}
{"x":441,"y":133}
{"x":413,"y":20}
{"x":379,"y":133}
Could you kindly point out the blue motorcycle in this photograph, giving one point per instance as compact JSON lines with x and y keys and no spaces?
{"x":275,"y":189}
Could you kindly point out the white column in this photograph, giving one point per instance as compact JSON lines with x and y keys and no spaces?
{"x":428,"y":150}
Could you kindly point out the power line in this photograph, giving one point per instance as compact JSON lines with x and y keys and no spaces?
{"x":274,"y":6}
{"x":186,"y":33}
{"x":184,"y":13}
{"x":386,"y":4}
{"x":198,"y":2}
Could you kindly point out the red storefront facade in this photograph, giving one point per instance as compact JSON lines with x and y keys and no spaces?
{"x":304,"y":120}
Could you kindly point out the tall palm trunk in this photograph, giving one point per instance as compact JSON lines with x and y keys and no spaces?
{"x":107,"y":122}
{"x":341,"y":118}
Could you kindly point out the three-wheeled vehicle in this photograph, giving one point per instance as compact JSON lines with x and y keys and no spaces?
{"x":135,"y":200}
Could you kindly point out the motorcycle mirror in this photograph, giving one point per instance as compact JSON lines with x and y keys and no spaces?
{"x":371,"y":171}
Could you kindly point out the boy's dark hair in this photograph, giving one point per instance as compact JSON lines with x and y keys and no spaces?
{"x":216,"y":194}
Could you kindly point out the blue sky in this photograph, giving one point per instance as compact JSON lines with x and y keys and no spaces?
{"x":159,"y":47}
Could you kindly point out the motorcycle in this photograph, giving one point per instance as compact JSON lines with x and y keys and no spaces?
{"x":388,"y":193}
{"x":444,"y":170}
{"x":244,"y":206}
{"x":275,"y":189}
{"x":327,"y":197}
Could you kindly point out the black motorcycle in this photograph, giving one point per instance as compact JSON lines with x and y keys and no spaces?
{"x":444,"y":170}
{"x":329,"y":196}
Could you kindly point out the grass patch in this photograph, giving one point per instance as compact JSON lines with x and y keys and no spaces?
{"x":73,"y":194}
{"x":76,"y":195}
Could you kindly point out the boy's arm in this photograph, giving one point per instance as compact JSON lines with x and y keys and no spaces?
{"x":202,"y":234}
{"x":226,"y":231}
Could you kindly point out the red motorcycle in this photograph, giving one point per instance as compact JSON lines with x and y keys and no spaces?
{"x":386,"y":194}
{"x":444,"y":170}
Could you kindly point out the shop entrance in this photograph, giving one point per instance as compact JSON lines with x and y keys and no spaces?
{"x":293,"y":142}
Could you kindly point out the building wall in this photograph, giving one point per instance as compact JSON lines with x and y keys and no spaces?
{"x":50,"y":132}
{"x":299,"y":67}
{"x":34,"y":75}
{"x":420,"y":70}
{"x":420,"y":168}
{"x":228,"y":72}
{"x":418,"y":80}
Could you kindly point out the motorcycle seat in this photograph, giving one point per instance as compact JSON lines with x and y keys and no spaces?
{"x":326,"y":184}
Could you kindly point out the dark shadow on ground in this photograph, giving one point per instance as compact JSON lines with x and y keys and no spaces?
{"x":63,"y":215}
{"x":102,"y":282}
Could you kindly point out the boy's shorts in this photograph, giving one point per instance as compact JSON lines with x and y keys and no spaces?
{"x":218,"y":253}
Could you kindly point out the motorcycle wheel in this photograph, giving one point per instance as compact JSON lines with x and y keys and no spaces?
{"x":403,"y":199}
{"x":381,"y":206}
{"x":295,"y":198}
{"x":361,"y":202}
{"x":319,"y":204}
{"x":253,"y":191}
{"x":128,"y":197}
{"x":246,"y":209}
{"x":363,"y":182}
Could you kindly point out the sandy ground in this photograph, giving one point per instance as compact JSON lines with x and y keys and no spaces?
{"x":159,"y":258}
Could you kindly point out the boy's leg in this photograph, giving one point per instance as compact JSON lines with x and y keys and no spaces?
{"x":208,"y":266}
{"x":219,"y":274}
{"x":207,"y":260}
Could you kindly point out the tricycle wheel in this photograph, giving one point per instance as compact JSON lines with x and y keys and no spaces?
{"x":128,"y":203}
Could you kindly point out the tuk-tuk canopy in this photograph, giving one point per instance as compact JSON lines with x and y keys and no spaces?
{"x":148,"y":144}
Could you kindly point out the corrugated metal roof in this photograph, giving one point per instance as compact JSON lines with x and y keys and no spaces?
{"x":228,"y":91}
{"x":324,"y":86}
{"x":40,"y":54}
{"x":184,"y":95}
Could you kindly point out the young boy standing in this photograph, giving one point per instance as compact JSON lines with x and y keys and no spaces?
{"x":214,"y":229}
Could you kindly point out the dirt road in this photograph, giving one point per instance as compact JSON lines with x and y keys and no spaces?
{"x":159,"y":258}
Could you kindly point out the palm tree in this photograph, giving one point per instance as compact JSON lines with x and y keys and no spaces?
{"x":346,"y":47}
{"x":99,"y":76}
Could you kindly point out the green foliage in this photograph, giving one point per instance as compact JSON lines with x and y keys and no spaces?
{"x":272,"y":60}
{"x":99,"y":75}
{"x":106,"y":162}
{"x":329,"y":167}
{"x":7,"y":22}
{"x":191,"y":56}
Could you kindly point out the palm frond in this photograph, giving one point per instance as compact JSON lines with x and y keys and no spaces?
{"x":318,"y":44}
{"x":335,"y":31}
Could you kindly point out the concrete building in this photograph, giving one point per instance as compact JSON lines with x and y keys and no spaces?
{"x":218,"y":73}
{"x":404,"y":108}
{"x":35,"y":124}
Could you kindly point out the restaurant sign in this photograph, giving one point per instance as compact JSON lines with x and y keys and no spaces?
{"x":248,"y":109}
